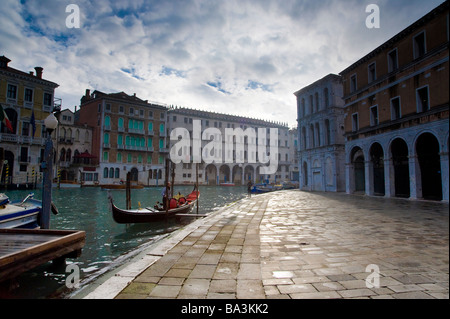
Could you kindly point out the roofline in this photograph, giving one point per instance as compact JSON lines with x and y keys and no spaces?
{"x":402,"y":34}
{"x":328,"y":77}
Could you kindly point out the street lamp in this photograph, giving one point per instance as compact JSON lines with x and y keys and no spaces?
{"x":47,"y":165}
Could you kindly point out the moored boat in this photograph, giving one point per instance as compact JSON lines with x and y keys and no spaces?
{"x":182,"y":205}
{"x":19,"y":214}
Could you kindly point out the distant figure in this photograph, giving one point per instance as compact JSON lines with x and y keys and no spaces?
{"x":249,"y":188}
{"x":165,"y":195}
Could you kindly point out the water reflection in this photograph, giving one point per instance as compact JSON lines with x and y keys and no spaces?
{"x":106,"y":241}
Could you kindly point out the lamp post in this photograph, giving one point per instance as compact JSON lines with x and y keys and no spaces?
{"x":47,"y":165}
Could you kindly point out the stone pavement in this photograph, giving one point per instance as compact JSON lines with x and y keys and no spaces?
{"x":293,"y":244}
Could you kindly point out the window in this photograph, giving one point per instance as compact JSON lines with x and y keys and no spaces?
{"x":47,"y":99}
{"x":374,"y":115}
{"x":423,"y":99}
{"x":106,"y":138}
{"x":121,"y":109}
{"x":105,"y":156}
{"x":25,"y":129}
{"x":120,"y":122}
{"x":326,"y":98}
{"x":419,"y":45}
{"x":317,"y":102}
{"x":12,"y":91}
{"x":111,"y":172}
{"x":174,"y":118}
{"x":353,"y":83}
{"x":141,"y":113}
{"x":150,"y":114}
{"x":328,"y":132}
{"x":105,"y":172}
{"x":117,"y":173}
{"x":131,"y":111}
{"x":119,"y":157}
{"x":395,"y":108}
{"x":303,"y":108}
{"x":162,"y":115}
{"x":129,"y":158}
{"x":108,"y":108}
{"x":119,"y":139}
{"x":28,"y":95}
{"x":355,"y":122}
{"x":311,"y":104}
{"x":107,"y":122}
{"x":372,"y":72}
{"x":392,"y":60}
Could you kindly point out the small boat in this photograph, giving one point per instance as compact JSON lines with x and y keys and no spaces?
{"x":182,"y":205}
{"x":121,"y":186}
{"x":226,"y":184}
{"x":19,"y":214}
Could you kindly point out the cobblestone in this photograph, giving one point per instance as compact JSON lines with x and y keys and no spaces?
{"x":293,"y":244}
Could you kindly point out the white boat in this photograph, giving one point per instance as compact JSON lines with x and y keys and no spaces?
{"x":19,"y":214}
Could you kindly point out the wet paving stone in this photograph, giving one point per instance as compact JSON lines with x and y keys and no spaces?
{"x":294,"y":244}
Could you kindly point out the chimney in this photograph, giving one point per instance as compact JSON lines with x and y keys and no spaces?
{"x":88,"y":93}
{"x":39,"y":71}
{"x":4,"y":62}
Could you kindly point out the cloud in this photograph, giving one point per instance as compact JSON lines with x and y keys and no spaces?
{"x":245,"y":57}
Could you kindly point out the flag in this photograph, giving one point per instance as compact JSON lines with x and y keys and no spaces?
{"x":33,"y":123}
{"x":4,"y":118}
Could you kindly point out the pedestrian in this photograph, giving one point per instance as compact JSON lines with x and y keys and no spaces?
{"x":165,"y":193}
{"x":249,"y":189}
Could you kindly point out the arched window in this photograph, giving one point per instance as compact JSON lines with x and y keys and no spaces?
{"x":105,"y":172}
{"x":111,"y":172}
{"x":117,"y":173}
{"x":326,"y":98}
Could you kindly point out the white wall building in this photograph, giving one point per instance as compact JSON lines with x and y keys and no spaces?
{"x":320,"y":111}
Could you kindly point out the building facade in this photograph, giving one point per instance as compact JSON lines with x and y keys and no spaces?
{"x":234,"y":171}
{"x":128,"y":135}
{"x":397,"y":107}
{"x":320,"y":111}
{"x":74,"y":162}
{"x":27,"y":99}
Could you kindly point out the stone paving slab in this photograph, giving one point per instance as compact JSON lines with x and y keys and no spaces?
{"x":299,"y":245}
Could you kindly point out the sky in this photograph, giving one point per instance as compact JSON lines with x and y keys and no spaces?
{"x":240,"y":57}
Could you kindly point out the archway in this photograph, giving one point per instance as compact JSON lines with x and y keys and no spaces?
{"x":427,"y":150}
{"x":134,"y":174}
{"x":211,"y":174}
{"x":224,"y":174}
{"x":399,"y":151}
{"x":357,"y":159}
{"x":305,"y":174}
{"x":377,"y":163}
{"x":237,"y":174}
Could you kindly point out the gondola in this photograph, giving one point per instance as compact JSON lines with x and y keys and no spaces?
{"x":183,"y":205}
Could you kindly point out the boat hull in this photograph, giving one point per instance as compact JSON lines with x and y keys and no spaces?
{"x":148,"y":215}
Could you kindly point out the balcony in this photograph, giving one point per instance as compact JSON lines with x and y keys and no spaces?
{"x":150,"y":133}
{"x":107,"y":127}
{"x":136,"y":131}
{"x":136,"y":148}
{"x":106,"y":145}
{"x":11,"y":138}
{"x":164,"y":150}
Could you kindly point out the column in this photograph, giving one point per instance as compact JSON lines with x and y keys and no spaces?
{"x":415,"y":182}
{"x":368,"y":172}
{"x":444,"y":176}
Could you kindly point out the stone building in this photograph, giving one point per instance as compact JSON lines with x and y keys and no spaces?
{"x":320,"y":111}
{"x":233,"y":171}
{"x":128,"y":135}
{"x":397,"y":107}
{"x":73,"y":162}
{"x":27,"y":99}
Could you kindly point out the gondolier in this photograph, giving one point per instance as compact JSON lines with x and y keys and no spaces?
{"x":165,"y":194}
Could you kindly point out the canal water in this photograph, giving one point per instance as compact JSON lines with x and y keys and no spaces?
{"x":108,"y":244}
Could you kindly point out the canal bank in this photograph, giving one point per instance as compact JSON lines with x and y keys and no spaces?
{"x":293,"y":245}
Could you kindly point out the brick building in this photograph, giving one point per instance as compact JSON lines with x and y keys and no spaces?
{"x":397,"y":106}
{"x":128,"y":135}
